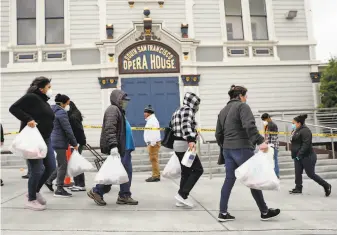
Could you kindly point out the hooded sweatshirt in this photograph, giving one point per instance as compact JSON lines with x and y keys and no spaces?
{"x":183,"y":121}
{"x":114,"y":126}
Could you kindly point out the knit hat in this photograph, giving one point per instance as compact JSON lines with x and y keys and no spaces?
{"x":149,"y":109}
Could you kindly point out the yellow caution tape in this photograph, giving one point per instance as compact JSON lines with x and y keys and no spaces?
{"x":199,"y":130}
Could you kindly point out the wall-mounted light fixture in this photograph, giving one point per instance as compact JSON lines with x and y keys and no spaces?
{"x":291,"y":14}
{"x":131,"y":4}
{"x":161,"y":4}
{"x":186,"y":55}
{"x":109,"y":31}
{"x":184,"y":30}
{"x":111,"y":57}
{"x":146,"y":12}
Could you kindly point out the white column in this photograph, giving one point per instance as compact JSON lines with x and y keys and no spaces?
{"x":189,"y":17}
{"x":223,"y":20}
{"x":12,"y":23}
{"x":246,"y":20}
{"x":270,"y":20}
{"x":67,"y":23}
{"x":310,"y":29}
{"x":40,"y":23}
{"x":102,"y":19}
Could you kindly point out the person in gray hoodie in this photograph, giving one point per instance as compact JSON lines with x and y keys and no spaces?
{"x":116,"y":133}
{"x":61,"y":136}
{"x":237,"y":134}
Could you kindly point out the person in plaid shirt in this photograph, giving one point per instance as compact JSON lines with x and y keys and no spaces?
{"x":271,"y":138}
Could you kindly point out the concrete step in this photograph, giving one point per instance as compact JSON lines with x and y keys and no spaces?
{"x":320,"y":162}
{"x":318,"y":169}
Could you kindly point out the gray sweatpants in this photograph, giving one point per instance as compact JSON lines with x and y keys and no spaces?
{"x":61,"y":171}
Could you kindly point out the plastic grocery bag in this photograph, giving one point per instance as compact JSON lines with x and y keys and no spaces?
{"x":188,"y":158}
{"x":29,"y":144}
{"x":172,"y":169}
{"x":112,"y":170}
{"x":78,"y":164}
{"x":258,"y":172}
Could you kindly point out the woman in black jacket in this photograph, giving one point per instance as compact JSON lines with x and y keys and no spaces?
{"x":75,"y":119}
{"x":33,"y":110}
{"x":304,"y":155}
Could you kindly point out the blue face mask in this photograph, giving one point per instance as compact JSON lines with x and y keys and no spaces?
{"x":293,"y":126}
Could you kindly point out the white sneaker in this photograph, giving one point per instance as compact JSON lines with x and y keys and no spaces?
{"x":39,"y":198}
{"x":34,"y":205}
{"x":78,"y":189}
{"x":179,"y":204}
{"x":186,"y":202}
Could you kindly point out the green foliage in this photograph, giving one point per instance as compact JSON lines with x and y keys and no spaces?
{"x":328,"y":88}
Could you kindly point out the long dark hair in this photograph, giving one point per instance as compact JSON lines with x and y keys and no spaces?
{"x":74,"y":112}
{"x":39,"y":82}
{"x":236,"y":91}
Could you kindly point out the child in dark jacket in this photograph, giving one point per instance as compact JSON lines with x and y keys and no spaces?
{"x":61,"y":136}
{"x":75,"y":119}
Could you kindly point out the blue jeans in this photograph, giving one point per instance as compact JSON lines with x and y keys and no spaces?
{"x":235,"y":158}
{"x":124,"y":189}
{"x":40,"y":170}
{"x":276,"y":169}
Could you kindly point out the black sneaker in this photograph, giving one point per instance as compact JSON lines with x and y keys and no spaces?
{"x":295,"y":191}
{"x":96,"y":197}
{"x":50,"y":187}
{"x":272,"y":213}
{"x":225,"y":218}
{"x":25,"y":176}
{"x":62,"y":193}
{"x":327,"y":191}
{"x":153,"y":179}
{"x":2,"y":183}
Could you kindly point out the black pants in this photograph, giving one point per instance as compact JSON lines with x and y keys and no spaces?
{"x":189,"y":175}
{"x":308,"y":164}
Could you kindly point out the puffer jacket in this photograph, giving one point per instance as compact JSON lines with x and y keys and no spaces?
{"x":114,"y":127}
{"x":62,"y":134}
{"x":301,"y":143}
{"x":183,"y":121}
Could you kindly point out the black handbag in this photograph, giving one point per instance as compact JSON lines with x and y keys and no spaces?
{"x":168,"y":139}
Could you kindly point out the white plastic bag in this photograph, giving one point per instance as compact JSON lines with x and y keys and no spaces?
{"x":78,"y":164}
{"x":172,"y":169}
{"x":112,"y":171}
{"x":29,"y":144}
{"x":188,"y":158}
{"x":258,"y":172}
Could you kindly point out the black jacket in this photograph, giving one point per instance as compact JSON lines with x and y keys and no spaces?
{"x":34,"y":106}
{"x":114,"y":126}
{"x":2,"y":134}
{"x":78,"y":130}
{"x":301,"y":143}
{"x":239,"y":131}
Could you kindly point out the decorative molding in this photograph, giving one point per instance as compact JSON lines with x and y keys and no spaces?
{"x":263,"y":51}
{"x":238,"y":51}
{"x":191,"y":80}
{"x":108,"y":82}
{"x":54,"y":56}
{"x":25,"y":57}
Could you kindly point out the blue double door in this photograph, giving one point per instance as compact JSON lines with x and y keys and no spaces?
{"x":160,"y":92}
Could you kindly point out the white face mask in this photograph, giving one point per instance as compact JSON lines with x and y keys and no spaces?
{"x":49,"y":93}
{"x":67,"y":108}
{"x":265,"y":123}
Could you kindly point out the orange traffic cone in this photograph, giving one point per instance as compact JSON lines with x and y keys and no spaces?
{"x":67,"y":180}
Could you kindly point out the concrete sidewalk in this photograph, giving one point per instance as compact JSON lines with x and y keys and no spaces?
{"x":310,"y":213}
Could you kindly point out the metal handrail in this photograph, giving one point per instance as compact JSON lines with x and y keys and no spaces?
{"x":327,"y":127}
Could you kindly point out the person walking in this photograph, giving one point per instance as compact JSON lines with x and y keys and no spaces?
{"x":26,"y":176}
{"x":152,"y":140}
{"x":272,"y":138}
{"x":116,"y":133}
{"x":304,"y":156}
{"x":61,"y":137}
{"x":237,"y":134}
{"x":2,"y":143}
{"x":185,"y":132}
{"x":75,"y":119}
{"x":33,"y":110}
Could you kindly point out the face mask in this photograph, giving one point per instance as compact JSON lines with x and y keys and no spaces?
{"x":124,"y":104}
{"x":293,"y":126}
{"x":197,"y":109}
{"x":265,"y":123}
{"x":49,"y":93}
{"x":67,"y":108}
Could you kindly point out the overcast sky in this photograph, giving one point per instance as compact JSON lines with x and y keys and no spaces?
{"x":325,"y":27}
